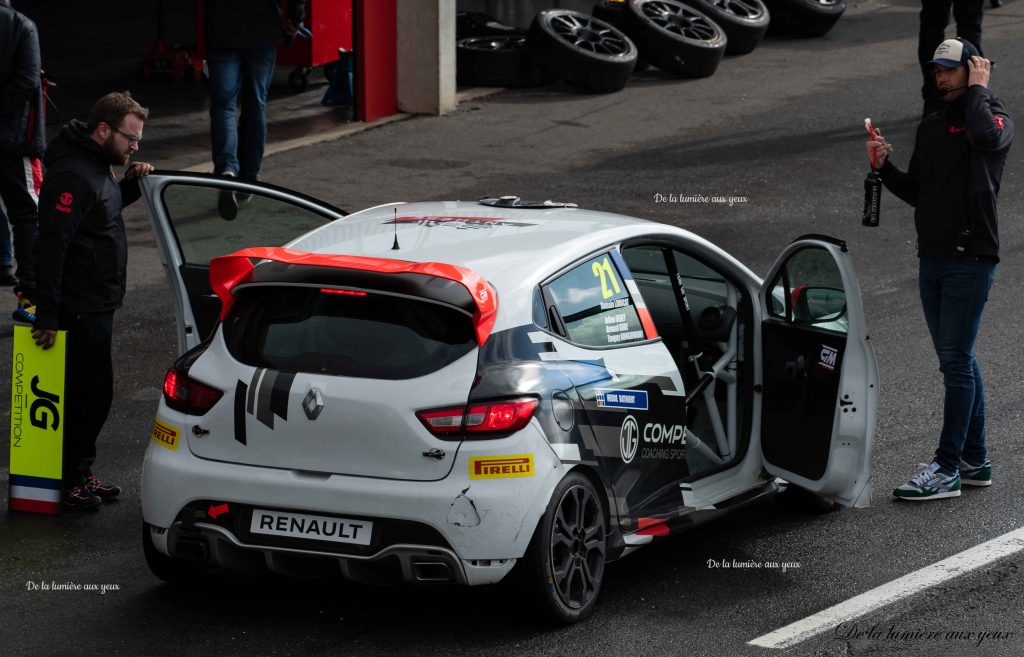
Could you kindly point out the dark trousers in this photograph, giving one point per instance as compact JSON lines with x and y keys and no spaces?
{"x":953,"y":294}
{"x":934,"y":19}
{"x":19,"y":190}
{"x":88,"y":389}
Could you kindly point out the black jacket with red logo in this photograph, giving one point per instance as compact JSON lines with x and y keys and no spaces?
{"x":233,"y":24}
{"x":82,"y":252}
{"x":22,"y":128}
{"x":954,"y":173}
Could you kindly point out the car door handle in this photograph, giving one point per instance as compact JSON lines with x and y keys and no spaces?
{"x":795,"y":368}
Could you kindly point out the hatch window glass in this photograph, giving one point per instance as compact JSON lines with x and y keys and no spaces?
{"x":345,"y":333}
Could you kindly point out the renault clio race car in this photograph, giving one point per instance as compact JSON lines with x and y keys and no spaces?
{"x":429,"y":392}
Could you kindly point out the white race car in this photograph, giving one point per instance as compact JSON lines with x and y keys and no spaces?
{"x":427,"y":392}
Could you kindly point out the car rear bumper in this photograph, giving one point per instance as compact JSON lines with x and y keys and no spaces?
{"x":475,"y":527}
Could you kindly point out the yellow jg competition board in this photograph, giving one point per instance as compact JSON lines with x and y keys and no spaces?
{"x":37,"y":423}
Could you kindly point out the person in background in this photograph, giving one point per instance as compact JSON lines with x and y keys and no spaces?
{"x":22,"y":143}
{"x":81,"y":266}
{"x":934,"y":19}
{"x":7,"y":277}
{"x":242,"y":37}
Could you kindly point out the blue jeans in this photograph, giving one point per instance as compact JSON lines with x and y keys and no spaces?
{"x":239,"y":74}
{"x":953,"y":294}
{"x":6,"y":252}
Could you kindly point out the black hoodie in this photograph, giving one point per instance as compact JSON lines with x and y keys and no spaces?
{"x":954,"y":174}
{"x":82,"y":252}
{"x":233,"y":24}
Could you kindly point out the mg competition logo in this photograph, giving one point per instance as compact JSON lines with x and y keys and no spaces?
{"x":661,"y":441}
{"x":629,"y":439}
{"x":828,"y":356}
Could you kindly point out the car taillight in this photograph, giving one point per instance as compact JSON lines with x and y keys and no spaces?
{"x":188,"y":395}
{"x":505,"y":416}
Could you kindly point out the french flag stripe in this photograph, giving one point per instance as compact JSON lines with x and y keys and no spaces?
{"x":35,"y":506}
{"x":35,"y":482}
{"x":36,"y":494}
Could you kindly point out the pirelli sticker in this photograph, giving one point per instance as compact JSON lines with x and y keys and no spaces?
{"x":501,"y":467}
{"x":165,"y":435}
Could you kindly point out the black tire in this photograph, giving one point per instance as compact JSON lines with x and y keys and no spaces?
{"x":475,"y":23}
{"x":498,"y":61}
{"x":744,"y":21}
{"x":612,"y":11}
{"x":177,"y":572}
{"x":676,"y":37}
{"x":581,"y":50}
{"x":808,"y":18}
{"x":564,"y":564}
{"x":298,"y":80}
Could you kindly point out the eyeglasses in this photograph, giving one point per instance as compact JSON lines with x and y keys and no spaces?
{"x":132,"y":139}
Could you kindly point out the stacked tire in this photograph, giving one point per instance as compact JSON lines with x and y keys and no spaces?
{"x":675,"y":37}
{"x":809,"y":18}
{"x":744,"y":21}
{"x":498,"y":61}
{"x":581,"y":50}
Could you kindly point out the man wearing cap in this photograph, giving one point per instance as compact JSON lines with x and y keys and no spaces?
{"x":952,"y":182}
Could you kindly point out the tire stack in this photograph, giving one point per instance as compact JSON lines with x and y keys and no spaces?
{"x":498,"y":61}
{"x":599,"y":52}
{"x":582,"y":50}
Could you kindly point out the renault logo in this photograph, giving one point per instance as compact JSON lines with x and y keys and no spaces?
{"x":313,"y":403}
{"x":629,"y":438}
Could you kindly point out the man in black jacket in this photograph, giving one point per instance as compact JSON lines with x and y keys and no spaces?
{"x":242,"y":37}
{"x":22,"y":142}
{"x":81,"y":264}
{"x":953,"y":182}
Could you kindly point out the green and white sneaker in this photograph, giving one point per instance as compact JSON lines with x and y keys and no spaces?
{"x":929,"y":484}
{"x":976,"y":475}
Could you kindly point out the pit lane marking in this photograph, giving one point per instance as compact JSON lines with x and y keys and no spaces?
{"x":886,"y":594}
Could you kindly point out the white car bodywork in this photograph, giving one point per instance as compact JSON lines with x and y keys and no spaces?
{"x":486,"y":523}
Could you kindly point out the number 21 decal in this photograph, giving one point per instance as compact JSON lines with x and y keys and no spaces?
{"x":604,"y":271}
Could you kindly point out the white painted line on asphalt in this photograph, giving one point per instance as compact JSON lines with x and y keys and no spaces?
{"x":937,"y":573}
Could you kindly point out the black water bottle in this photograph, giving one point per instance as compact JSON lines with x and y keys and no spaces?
{"x":872,"y":199}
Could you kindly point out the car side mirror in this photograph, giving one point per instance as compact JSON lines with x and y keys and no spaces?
{"x":818,"y":305}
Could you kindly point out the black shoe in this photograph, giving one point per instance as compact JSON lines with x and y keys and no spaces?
{"x":996,"y":3}
{"x":7,"y":278}
{"x":227,"y":205}
{"x":105,"y":491}
{"x":78,"y":499}
{"x":25,"y":311}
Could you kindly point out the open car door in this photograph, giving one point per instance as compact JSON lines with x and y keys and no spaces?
{"x":820,"y":382}
{"x":183,"y":209}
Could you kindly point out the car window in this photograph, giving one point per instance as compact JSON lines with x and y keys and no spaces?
{"x":319,"y":330}
{"x":705,"y":287}
{"x":808,"y":291}
{"x":595,"y":306}
{"x":262,"y":220}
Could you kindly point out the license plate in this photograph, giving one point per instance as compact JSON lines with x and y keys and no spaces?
{"x":315,"y":528}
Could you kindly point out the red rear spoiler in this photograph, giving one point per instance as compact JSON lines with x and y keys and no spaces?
{"x":228,"y":271}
